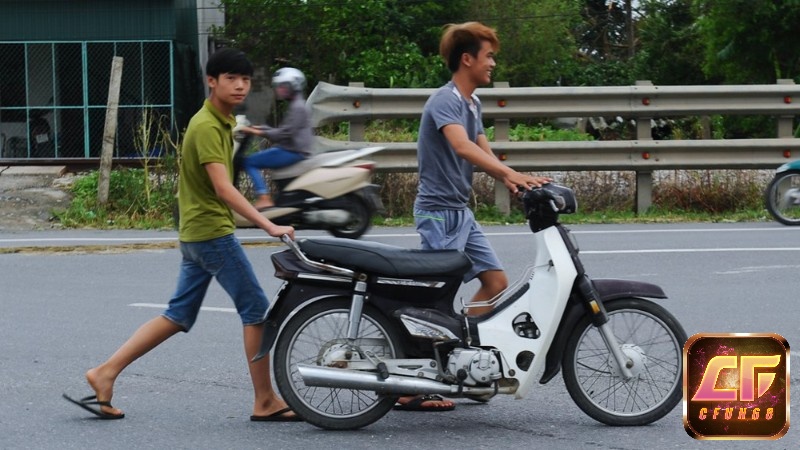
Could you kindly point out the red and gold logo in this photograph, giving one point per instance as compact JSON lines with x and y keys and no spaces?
{"x":736,"y":386}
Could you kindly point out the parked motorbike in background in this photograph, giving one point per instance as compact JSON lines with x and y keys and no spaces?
{"x":782,"y":196}
{"x":357,"y":324}
{"x":329,"y":191}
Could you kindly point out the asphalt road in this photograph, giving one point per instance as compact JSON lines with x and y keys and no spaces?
{"x":63,"y":312}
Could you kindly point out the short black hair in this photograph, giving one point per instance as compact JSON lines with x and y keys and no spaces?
{"x":228,"y":60}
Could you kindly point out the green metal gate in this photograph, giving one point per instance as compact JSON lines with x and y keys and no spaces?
{"x":53,"y":95}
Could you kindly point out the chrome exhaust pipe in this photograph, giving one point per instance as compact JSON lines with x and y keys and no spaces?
{"x":365,"y":381}
{"x":395,"y":384}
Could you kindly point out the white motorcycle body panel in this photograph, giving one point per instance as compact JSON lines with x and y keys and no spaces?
{"x":545,"y":301}
{"x":331,"y":182}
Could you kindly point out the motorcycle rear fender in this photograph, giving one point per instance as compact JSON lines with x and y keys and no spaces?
{"x":291,"y":298}
{"x":608,"y":289}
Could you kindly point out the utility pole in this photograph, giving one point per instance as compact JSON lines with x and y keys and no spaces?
{"x":110,"y":131}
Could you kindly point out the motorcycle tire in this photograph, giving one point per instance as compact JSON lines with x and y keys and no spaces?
{"x":782,"y":197}
{"x":652,"y":338}
{"x":360,"y":219}
{"x":316,"y":335}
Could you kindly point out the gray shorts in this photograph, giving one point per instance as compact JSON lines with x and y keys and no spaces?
{"x":457,"y":229}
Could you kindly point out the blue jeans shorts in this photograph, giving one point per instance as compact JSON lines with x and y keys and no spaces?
{"x":457,"y":229}
{"x":223,"y":258}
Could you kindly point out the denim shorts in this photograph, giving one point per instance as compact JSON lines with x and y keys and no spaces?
{"x":457,"y":229}
{"x":224,"y":259}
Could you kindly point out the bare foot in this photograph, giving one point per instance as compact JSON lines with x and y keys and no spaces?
{"x":103,"y":388}
{"x":273,"y":407}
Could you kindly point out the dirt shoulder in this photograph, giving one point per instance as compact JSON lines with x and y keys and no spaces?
{"x":29,"y":195}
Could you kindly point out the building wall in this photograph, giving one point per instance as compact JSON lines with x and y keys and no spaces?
{"x":86,"y":20}
{"x":87,"y":25}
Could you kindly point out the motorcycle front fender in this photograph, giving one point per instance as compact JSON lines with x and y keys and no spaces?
{"x":289,"y":300}
{"x":608,"y":289}
{"x":794,"y":165}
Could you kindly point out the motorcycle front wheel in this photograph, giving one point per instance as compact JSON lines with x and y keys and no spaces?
{"x":782,"y":197}
{"x":652,"y":339}
{"x":360,"y":219}
{"x":316,"y":336}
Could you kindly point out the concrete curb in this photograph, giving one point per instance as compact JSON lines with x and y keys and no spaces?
{"x":55,"y":171}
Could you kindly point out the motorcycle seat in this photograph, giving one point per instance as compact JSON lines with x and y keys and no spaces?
{"x":386,"y":260}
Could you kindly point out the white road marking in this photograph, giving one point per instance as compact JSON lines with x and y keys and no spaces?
{"x":412,"y":234}
{"x":164,"y":306}
{"x":752,"y":269}
{"x":691,"y":250}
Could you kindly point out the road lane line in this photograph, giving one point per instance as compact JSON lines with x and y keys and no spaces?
{"x":411,"y":234}
{"x":691,"y":250}
{"x":163,"y":306}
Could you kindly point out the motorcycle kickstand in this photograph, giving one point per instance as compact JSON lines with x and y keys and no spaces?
{"x":383,"y":370}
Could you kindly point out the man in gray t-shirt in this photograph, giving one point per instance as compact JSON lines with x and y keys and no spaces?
{"x":451,"y":144}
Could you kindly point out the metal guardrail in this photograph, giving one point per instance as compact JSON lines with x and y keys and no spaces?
{"x":353,"y":103}
{"x":606,"y":155}
{"x":642,"y":102}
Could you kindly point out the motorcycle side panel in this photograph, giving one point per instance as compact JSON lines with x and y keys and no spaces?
{"x":331,"y":183}
{"x":545,"y":301}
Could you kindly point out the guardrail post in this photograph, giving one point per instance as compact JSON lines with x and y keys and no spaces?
{"x":644,"y":179}
{"x":501,"y":129}
{"x":786,"y":123}
{"x":357,"y":128}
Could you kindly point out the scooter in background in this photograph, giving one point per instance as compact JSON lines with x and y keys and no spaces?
{"x":329,"y":191}
{"x":782,"y":196}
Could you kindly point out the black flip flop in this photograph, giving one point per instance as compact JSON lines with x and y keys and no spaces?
{"x":87,"y":403}
{"x":417,"y":404}
{"x":278,"y":416}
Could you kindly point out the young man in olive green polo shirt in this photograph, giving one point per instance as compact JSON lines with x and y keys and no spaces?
{"x":208,"y":245}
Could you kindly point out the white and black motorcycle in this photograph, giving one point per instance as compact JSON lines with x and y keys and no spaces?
{"x":357,"y":324}
{"x":330,"y":191}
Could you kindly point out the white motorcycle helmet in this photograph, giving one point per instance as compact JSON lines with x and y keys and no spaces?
{"x":291,"y":76}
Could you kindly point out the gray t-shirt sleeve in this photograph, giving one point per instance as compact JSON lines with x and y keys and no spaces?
{"x":445,"y":178}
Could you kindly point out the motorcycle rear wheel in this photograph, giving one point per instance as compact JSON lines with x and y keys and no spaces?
{"x":782,"y":197}
{"x":316,"y":336}
{"x":653,"y":339}
{"x":360,"y":219}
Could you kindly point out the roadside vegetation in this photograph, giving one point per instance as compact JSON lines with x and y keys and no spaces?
{"x":145,"y":198}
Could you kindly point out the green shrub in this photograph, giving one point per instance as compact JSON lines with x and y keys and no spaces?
{"x":134,"y":201}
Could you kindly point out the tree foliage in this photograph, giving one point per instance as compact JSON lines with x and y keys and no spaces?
{"x":394,"y":43}
{"x":538,"y":46}
{"x":669,"y":44}
{"x":379,"y":42}
{"x":749,"y":42}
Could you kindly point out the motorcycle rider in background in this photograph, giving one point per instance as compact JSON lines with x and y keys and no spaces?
{"x":291,"y":141}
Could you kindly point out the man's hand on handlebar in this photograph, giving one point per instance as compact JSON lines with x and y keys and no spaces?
{"x":518,"y":183}
{"x":279,"y":231}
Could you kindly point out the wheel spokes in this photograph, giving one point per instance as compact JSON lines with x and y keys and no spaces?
{"x":655,"y":353}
